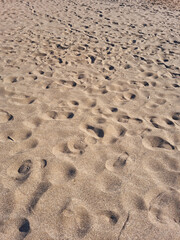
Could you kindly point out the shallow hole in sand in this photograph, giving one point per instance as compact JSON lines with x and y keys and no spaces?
{"x":114,"y":109}
{"x":149,"y":74}
{"x":25,"y":167}
{"x":71,"y":172}
{"x":113,"y":219}
{"x":25,"y":227}
{"x":111,"y":68}
{"x":44,"y":163}
{"x":169,"y":122}
{"x":75,"y":103}
{"x":99,"y":132}
{"x":70,"y":115}
{"x":176,"y":116}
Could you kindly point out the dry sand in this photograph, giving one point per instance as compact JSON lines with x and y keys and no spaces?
{"x":89,"y":120}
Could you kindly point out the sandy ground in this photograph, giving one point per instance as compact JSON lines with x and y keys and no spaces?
{"x":89,"y":120}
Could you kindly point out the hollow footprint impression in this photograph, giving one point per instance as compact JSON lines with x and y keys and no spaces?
{"x":164,"y":207}
{"x":72,"y":146}
{"x":20,"y":170}
{"x":75,"y":219}
{"x":98,"y":131}
{"x":155,"y":142}
{"x":119,"y":163}
{"x":5,"y":116}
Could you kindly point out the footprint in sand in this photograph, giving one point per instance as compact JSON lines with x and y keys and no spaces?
{"x":58,"y":115}
{"x":24,"y":227}
{"x":20,"y":170}
{"x":155,"y":143}
{"x":22,"y":100}
{"x":72,"y":146}
{"x":111,"y":216}
{"x":15,"y":136}
{"x":164,"y":208}
{"x":98,"y":131}
{"x":107,"y":182}
{"x":13,"y":79}
{"x":176,"y":116}
{"x":28,"y":144}
{"x":5,"y":116}
{"x":128,"y":96}
{"x":119,"y":164}
{"x":161,"y":123}
{"x":33,"y":123}
{"x":75,"y":219}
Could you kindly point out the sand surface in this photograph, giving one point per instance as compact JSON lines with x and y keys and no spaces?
{"x":89,"y":120}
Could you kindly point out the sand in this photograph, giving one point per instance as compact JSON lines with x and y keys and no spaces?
{"x":89,"y":120}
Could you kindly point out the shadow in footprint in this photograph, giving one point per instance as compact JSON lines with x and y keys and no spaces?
{"x":114,"y":109}
{"x":43,"y":163}
{"x":112,"y":216}
{"x":5,"y":116}
{"x":70,"y":115}
{"x":154,"y":123}
{"x":71,"y":172}
{"x":176,"y":116}
{"x":99,"y":132}
{"x":25,"y":227}
{"x":92,"y":59}
{"x":164,"y":207}
{"x":24,"y":171}
{"x":158,"y":142}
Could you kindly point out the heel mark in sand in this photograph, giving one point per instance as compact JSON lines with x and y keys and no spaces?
{"x":71,"y":172}
{"x":112,"y":216}
{"x":24,"y":171}
{"x":92,"y":59}
{"x":122,"y":131}
{"x":99,"y":132}
{"x":43,"y":163}
{"x":158,"y":142}
{"x":5,"y":116}
{"x":114,"y":109}
{"x":70,"y":115}
{"x":10,"y":117}
{"x":176,"y":116}
{"x":121,"y":161}
{"x":25,"y":227}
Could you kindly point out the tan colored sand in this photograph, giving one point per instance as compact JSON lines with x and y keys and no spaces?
{"x":89,"y":120}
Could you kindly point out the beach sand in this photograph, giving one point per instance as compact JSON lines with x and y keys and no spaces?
{"x":89,"y":120}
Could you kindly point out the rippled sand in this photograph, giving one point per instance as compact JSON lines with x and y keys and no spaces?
{"x":89,"y":120}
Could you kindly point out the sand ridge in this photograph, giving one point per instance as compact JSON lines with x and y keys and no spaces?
{"x":89,"y":120}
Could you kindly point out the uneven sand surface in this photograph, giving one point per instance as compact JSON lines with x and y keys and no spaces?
{"x":89,"y":120}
